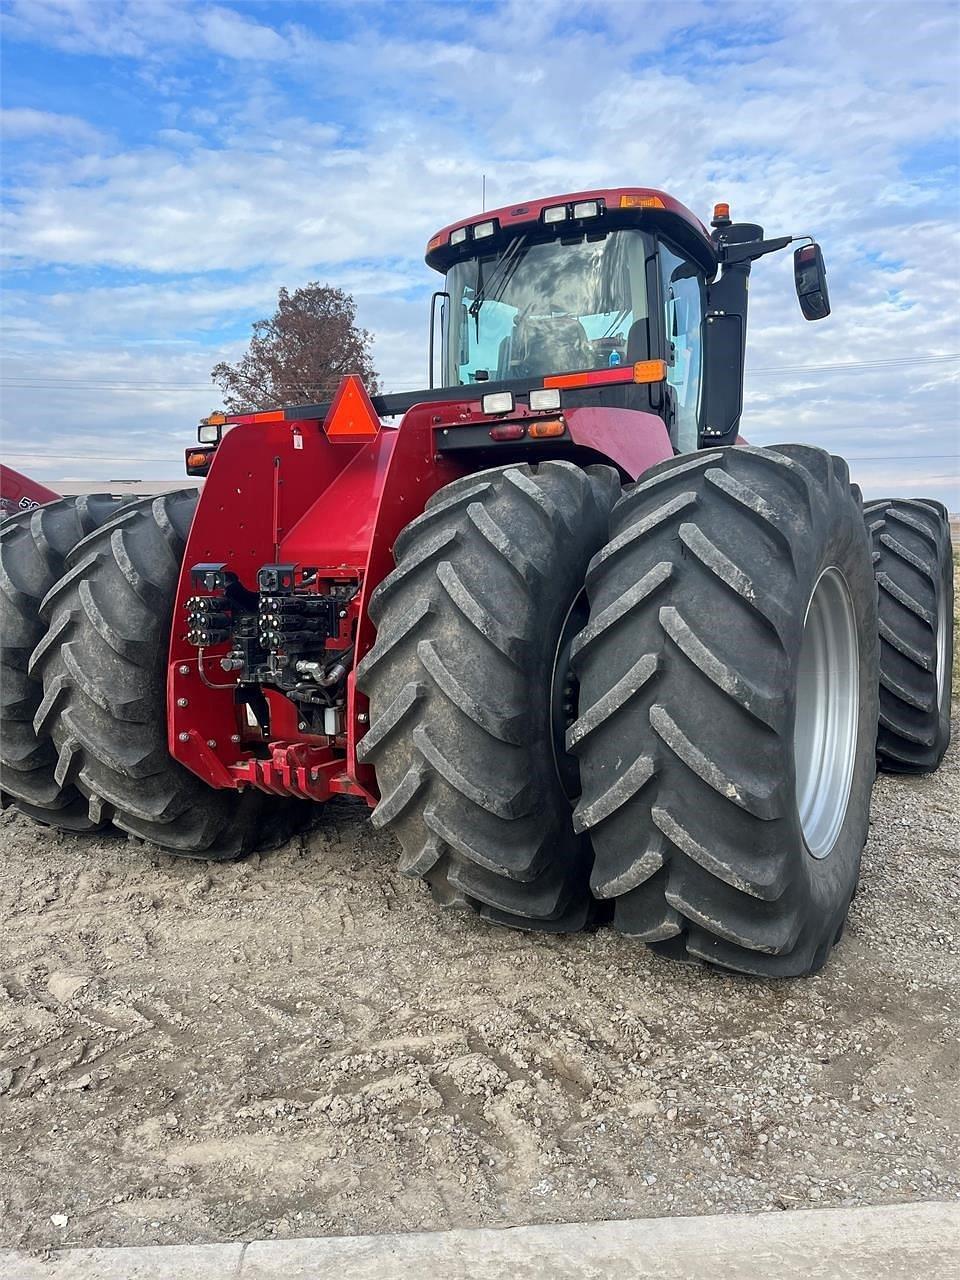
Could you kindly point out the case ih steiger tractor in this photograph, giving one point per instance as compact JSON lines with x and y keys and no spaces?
{"x":588,"y":655}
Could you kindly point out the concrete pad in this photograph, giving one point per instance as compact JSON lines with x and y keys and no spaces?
{"x":886,"y":1242}
{"x":152,"y":1262}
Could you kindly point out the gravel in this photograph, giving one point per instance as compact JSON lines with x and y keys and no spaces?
{"x":302,"y":1044}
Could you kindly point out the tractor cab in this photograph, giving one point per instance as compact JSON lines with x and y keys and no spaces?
{"x":623,"y":293}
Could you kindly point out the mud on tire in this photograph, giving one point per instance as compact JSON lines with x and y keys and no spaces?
{"x":689,"y":670}
{"x":460,"y":678}
{"x":103,"y":667}
{"x":33,"y":547}
{"x":913,"y":563}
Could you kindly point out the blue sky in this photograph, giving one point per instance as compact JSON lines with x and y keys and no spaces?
{"x":168,"y":165}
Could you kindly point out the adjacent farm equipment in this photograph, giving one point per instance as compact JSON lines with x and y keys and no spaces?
{"x":585,"y":652}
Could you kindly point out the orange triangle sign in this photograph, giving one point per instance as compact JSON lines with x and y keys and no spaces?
{"x":352,"y":417}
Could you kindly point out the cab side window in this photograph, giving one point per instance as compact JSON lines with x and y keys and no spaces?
{"x":682,"y":291}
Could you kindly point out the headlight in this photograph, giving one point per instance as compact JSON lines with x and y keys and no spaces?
{"x":497,"y":402}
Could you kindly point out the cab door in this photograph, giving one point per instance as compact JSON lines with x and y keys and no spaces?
{"x":683,"y":303}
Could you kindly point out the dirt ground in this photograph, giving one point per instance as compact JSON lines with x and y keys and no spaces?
{"x":302,"y":1044}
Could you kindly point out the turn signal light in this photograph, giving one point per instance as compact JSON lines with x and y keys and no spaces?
{"x":542,"y":430}
{"x":198,"y":461}
{"x":634,"y":201}
{"x":511,"y":431}
{"x":650,"y":371}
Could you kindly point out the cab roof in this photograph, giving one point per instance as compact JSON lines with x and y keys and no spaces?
{"x":646,"y":206}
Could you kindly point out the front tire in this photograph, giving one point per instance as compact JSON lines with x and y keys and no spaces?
{"x":913,"y":563}
{"x":470,"y":634}
{"x":728,"y":707}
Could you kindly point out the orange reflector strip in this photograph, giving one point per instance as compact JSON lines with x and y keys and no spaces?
{"x":272,"y":415}
{"x":437,"y":240}
{"x":585,"y":379}
{"x":541,"y":430}
{"x":352,"y":417}
{"x":641,"y":202}
{"x":642,"y":371}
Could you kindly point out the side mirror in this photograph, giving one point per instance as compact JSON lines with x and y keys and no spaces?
{"x":811,"y":278}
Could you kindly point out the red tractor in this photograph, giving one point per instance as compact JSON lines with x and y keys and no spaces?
{"x":588,"y":660}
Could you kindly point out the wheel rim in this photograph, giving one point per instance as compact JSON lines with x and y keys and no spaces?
{"x":828,"y":696}
{"x":942,"y":625}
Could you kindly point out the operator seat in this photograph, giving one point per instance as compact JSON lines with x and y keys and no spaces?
{"x":543,"y":345}
{"x":638,"y":341}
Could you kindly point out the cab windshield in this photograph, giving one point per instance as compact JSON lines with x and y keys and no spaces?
{"x":553,"y":306}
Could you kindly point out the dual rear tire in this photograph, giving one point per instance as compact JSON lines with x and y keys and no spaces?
{"x":34,"y":546}
{"x":86,"y":634}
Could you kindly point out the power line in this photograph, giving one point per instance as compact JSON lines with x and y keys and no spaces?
{"x":856,"y":366}
{"x":79,"y":384}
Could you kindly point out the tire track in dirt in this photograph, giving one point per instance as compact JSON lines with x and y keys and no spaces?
{"x":302,"y":1044}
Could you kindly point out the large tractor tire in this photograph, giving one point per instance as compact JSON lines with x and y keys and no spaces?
{"x":33,"y":547}
{"x":103,"y":666}
{"x":728,"y":707}
{"x":914,"y":567}
{"x":470,"y":691}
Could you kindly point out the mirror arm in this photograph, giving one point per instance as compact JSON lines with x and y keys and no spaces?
{"x":751,"y":249}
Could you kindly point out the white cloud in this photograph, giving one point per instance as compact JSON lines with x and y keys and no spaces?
{"x":804,"y":122}
{"x":228,"y":33}
{"x":17,"y":123}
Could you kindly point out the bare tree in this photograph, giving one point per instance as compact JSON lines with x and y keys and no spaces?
{"x":300,"y":353}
